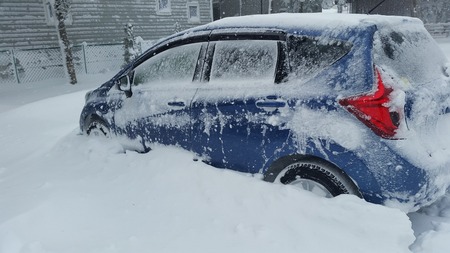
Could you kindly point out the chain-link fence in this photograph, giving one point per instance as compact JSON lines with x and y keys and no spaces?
{"x":103,"y":58}
{"x":33,"y":65}
{"x":41,"y":64}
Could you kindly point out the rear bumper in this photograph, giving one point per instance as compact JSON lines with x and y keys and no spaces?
{"x":404,"y":183}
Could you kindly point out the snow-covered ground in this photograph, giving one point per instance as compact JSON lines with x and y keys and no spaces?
{"x":63,"y":192}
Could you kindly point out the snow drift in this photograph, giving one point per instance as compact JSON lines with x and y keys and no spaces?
{"x":64,"y":192}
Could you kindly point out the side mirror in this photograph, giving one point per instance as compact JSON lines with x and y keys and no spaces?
{"x":124,"y":84}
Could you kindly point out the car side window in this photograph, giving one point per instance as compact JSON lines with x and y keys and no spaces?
{"x":244,"y":59}
{"x":308,"y":56}
{"x":171,"y":66}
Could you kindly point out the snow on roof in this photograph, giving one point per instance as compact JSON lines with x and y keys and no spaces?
{"x":310,"y":20}
{"x":334,"y":22}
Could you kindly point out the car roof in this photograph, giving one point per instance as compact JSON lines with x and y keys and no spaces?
{"x":335,"y":25}
{"x":338,"y":25}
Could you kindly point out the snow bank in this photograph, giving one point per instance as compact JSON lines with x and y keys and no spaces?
{"x":13,"y":95}
{"x":435,"y":240}
{"x":61,"y":192}
{"x":64,"y":192}
{"x":88,"y":199}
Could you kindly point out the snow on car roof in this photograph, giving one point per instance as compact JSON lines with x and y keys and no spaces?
{"x":309,"y":20}
{"x":296,"y":21}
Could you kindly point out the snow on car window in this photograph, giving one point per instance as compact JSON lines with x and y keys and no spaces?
{"x":308,"y":56}
{"x":244,"y":60}
{"x":175,"y":64}
{"x":413,"y":55}
{"x":414,"y":66}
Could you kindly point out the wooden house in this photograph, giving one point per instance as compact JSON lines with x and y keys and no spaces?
{"x":434,"y":11}
{"x":388,"y":7}
{"x":29,"y":24}
{"x":429,"y":11}
{"x":230,"y":8}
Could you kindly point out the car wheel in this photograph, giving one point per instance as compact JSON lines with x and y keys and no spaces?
{"x":98,"y":128}
{"x":314,"y":175}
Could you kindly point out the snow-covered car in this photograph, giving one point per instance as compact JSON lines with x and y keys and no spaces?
{"x":335,"y":104}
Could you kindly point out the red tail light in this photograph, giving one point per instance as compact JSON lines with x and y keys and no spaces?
{"x":373,"y":110}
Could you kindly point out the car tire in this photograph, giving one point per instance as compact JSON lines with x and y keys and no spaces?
{"x":312,"y":174}
{"x":98,"y":128}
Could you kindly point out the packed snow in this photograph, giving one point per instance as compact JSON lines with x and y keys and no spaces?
{"x":64,"y":192}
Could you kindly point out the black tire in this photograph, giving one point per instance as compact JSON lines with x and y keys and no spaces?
{"x":303,"y":170}
{"x":97,"y":127}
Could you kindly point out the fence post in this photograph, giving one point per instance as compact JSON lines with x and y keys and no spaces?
{"x":84,"y":44}
{"x":16,"y":73}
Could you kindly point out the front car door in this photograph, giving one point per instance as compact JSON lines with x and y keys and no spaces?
{"x":162,"y":88}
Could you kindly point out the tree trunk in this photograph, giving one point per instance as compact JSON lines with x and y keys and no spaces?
{"x":65,"y":43}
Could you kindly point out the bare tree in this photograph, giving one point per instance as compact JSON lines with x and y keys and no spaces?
{"x":61,"y":11}
{"x":130,"y":44}
{"x":340,"y":5}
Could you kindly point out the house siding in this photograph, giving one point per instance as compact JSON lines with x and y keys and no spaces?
{"x":231,"y":8}
{"x":434,"y":11}
{"x":397,"y":7}
{"x":23,"y":24}
{"x":429,"y":11}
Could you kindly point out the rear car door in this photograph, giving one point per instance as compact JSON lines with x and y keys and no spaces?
{"x":232,"y":109}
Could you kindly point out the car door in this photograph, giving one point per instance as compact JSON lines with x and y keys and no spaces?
{"x":232,"y":110}
{"x":158,"y":107}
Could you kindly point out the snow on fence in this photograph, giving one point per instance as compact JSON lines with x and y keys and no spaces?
{"x":98,"y":58}
{"x":6,"y":66}
{"x":31,"y":65}
{"x":36,"y":65}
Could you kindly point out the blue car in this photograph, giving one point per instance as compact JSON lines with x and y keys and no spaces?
{"x":334,"y":104}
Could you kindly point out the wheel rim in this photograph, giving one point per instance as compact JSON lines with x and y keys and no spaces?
{"x":98,"y":130}
{"x":312,"y":186}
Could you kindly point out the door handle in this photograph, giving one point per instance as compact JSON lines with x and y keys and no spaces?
{"x":270,"y":104}
{"x":176,"y":103}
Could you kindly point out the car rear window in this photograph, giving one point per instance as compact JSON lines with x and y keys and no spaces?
{"x":308,"y":55}
{"x":411,"y":53}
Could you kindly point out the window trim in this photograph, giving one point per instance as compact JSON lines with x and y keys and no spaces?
{"x":50,"y":17}
{"x":193,"y":20}
{"x":165,"y":45}
{"x":165,"y":11}
{"x":50,"y":14}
